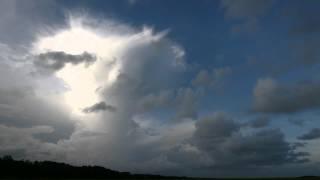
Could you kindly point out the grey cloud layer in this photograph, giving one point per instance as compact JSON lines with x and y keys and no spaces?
{"x":184,"y":101}
{"x":29,"y":16}
{"x":21,"y":105}
{"x":272,"y":97}
{"x":260,"y":122}
{"x":21,"y":140}
{"x":219,"y":146}
{"x":221,"y":138}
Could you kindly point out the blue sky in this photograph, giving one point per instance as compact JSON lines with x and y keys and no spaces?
{"x":178,"y":85}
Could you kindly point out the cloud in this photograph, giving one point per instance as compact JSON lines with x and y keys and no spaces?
{"x":186,"y":103}
{"x":260,"y":122}
{"x":246,"y":10}
{"x":221,"y":138}
{"x":203,"y":78}
{"x":223,"y":126}
{"x":23,"y":141}
{"x":272,"y":97}
{"x":221,"y":146}
{"x":212,"y":79}
{"x":17,"y":15}
{"x":183,"y":101}
{"x":100,"y":106}
{"x":136,"y":71}
{"x":56,"y":60}
{"x":140,"y":72}
{"x":26,"y":103}
{"x":154,"y":101}
{"x":313,"y":134}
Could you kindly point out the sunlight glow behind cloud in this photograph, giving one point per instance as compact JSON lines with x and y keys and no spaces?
{"x":80,"y":81}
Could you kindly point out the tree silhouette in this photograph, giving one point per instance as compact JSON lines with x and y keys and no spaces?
{"x":11,"y":168}
{"x":24,"y":169}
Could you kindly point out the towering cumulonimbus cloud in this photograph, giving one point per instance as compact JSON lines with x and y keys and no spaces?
{"x":100,"y":91}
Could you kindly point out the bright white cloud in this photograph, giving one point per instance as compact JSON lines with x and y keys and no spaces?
{"x":130,"y":64}
{"x":110,"y":47}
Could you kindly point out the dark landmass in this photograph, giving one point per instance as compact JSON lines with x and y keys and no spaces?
{"x":24,"y":169}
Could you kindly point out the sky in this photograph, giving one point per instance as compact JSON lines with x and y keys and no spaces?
{"x":204,"y":88}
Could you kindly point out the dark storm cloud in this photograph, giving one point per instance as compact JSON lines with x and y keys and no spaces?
{"x":215,"y":127}
{"x":260,"y":122}
{"x":56,"y":60}
{"x":221,"y":138}
{"x":100,"y":106}
{"x":272,"y":97}
{"x":313,"y":134}
{"x":220,"y":146}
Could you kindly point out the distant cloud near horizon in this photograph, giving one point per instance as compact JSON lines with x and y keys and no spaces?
{"x":272,"y":97}
{"x":220,"y":136}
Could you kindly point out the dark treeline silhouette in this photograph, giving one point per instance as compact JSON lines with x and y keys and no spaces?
{"x":24,"y":169}
{"x":10,"y":168}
